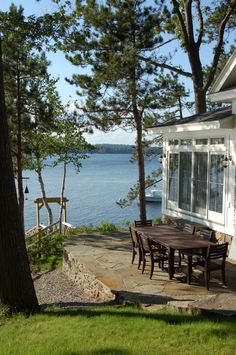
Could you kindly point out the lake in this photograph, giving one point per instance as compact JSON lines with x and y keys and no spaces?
{"x":93,"y":192}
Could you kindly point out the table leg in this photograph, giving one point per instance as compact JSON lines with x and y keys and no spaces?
{"x":189,"y":269}
{"x":171,"y":260}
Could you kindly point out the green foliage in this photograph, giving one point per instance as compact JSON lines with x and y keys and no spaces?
{"x":106,"y":227}
{"x":151,"y":180}
{"x":117,"y":330}
{"x":45,"y":253}
{"x":81,"y":229}
{"x":157,"y":220}
{"x":4,"y":312}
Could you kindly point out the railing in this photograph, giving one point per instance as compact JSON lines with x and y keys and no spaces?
{"x":48,"y":230}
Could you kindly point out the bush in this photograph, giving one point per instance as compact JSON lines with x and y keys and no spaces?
{"x":46,"y":252}
{"x":106,"y":227}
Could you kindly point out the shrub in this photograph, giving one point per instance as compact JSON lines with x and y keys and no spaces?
{"x":46,"y":252}
{"x":106,"y":227}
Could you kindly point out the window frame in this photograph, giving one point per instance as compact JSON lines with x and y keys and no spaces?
{"x":216,"y":149}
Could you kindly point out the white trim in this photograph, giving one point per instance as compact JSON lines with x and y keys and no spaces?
{"x":227,"y":122}
{"x":224,"y":74}
{"x":223,"y":96}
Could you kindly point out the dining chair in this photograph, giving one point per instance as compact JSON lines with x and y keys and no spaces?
{"x":153,"y":250}
{"x":136,"y":248}
{"x":189,"y":228}
{"x":207,"y":264}
{"x":148,"y":222}
{"x":205,"y":234}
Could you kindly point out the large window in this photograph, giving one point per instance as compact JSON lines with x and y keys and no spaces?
{"x":200,"y":173}
{"x":185,"y":173}
{"x":196,"y":183}
{"x":216,"y":183}
{"x":173,"y":177}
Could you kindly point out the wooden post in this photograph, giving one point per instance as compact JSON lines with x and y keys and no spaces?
{"x":38,"y":215}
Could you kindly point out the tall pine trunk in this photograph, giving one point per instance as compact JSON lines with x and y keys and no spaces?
{"x":139,"y":150}
{"x":198,"y":84}
{"x":19,"y":146}
{"x":63,"y":184}
{"x":141,"y":169}
{"x":16,"y":285}
{"x":43,"y":191}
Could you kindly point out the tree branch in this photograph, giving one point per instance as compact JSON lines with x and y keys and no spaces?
{"x":181,"y":21}
{"x":218,"y":48}
{"x":201,"y":25}
{"x":167,"y":66}
{"x":158,"y":46}
{"x":189,"y":22}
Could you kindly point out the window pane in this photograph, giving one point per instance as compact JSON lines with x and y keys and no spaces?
{"x":173,"y":177}
{"x":201,"y":141}
{"x":216,"y":183}
{"x":185,"y":171}
{"x":217,"y":140}
{"x":186,"y":142}
{"x":200,"y":183}
{"x":173,"y":142}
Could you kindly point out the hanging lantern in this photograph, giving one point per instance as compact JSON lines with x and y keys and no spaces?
{"x":26,"y":192}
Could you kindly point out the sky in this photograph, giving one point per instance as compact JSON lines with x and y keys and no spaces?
{"x":61,"y":68}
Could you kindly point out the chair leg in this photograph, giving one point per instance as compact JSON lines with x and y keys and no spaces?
{"x":144,"y":264}
{"x":139,"y":259}
{"x":189,"y":276}
{"x":180,"y":259}
{"x":207,"y":278}
{"x":133,"y":256}
{"x":223,"y":277}
{"x":152,"y":268}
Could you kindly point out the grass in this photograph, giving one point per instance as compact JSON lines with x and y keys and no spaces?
{"x":118,"y":331}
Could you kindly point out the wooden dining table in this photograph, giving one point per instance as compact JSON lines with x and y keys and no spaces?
{"x":174,"y":239}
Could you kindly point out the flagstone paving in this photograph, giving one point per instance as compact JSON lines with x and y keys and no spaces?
{"x":101,"y":266}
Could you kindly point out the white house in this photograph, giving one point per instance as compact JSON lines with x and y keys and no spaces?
{"x":199,"y":159}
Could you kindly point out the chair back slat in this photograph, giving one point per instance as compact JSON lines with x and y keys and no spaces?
{"x":189,"y":228}
{"x":148,"y":222}
{"x":134,"y":238}
{"x":145,"y":244}
{"x":206,"y":234}
{"x":218,"y":251}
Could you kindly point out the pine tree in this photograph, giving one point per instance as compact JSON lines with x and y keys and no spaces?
{"x":202,"y":29}
{"x":118,"y":42}
{"x":16,"y":286}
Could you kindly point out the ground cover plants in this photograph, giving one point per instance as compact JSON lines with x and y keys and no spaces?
{"x":46,"y":251}
{"x":116,"y":330}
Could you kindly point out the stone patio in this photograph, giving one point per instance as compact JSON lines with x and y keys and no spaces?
{"x":101,"y":266}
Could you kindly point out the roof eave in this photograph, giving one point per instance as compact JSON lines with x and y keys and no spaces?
{"x":230,"y":64}
{"x":227,"y":123}
{"x":223,"y":96}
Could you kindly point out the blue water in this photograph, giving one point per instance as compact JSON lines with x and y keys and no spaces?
{"x":93,"y":192}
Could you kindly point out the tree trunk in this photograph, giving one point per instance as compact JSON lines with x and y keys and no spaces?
{"x":139,"y":147}
{"x":141,"y":169}
{"x":16,"y":286}
{"x":198,"y":85}
{"x":62,"y":192}
{"x":41,"y":183}
{"x":19,"y":148}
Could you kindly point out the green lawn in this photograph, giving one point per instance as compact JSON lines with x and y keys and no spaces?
{"x":112,"y":330}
